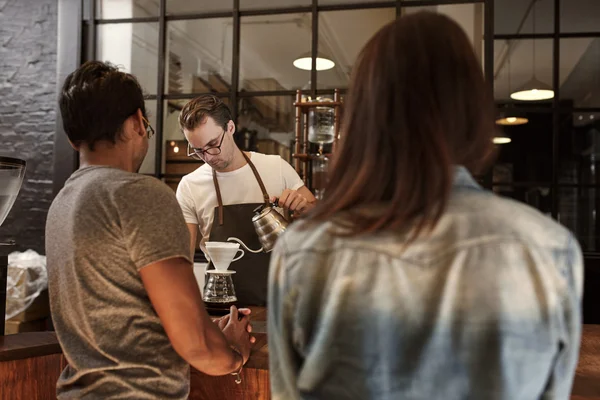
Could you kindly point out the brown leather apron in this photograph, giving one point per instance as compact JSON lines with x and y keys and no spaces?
{"x":235,"y":220}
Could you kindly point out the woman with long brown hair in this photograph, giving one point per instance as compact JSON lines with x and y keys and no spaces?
{"x":409,"y":281}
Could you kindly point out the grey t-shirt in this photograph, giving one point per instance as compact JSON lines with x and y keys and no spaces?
{"x":102,"y":228}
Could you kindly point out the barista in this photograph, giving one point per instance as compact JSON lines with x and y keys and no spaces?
{"x":218,"y":198}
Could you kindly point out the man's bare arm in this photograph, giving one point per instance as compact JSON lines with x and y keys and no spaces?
{"x":297,"y":201}
{"x":193,"y":228}
{"x":176,"y":298}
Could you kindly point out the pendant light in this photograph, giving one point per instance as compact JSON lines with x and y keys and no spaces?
{"x":508,"y":117}
{"x":533,"y":90}
{"x":511,"y":119}
{"x":502,"y":138}
{"x":304,"y":62}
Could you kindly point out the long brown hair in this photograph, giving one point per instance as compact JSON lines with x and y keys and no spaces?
{"x":418,"y":105}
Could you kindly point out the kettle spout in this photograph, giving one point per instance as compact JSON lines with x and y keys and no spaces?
{"x":244,"y":245}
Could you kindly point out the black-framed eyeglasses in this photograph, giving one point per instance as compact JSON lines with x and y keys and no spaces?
{"x":199,"y":153}
{"x":149,"y":128}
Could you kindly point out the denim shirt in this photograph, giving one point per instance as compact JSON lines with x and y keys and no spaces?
{"x":486,"y":307}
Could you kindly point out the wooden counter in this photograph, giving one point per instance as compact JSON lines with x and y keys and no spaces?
{"x":255,"y":375}
{"x":30,"y":364}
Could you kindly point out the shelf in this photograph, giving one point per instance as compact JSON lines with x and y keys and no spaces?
{"x":308,"y":157}
{"x":308,"y":104}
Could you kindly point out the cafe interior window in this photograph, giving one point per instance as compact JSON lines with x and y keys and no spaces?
{"x":547,"y":88}
{"x":134,"y":52}
{"x":256,"y":54}
{"x":342,"y":35}
{"x":198,"y":56}
{"x":269,"y":47}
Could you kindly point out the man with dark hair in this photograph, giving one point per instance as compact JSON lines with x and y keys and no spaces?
{"x":219,"y":198}
{"x":125,"y":304}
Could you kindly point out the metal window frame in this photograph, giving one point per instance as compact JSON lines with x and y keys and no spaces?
{"x":555,"y":109}
{"x":69,"y":56}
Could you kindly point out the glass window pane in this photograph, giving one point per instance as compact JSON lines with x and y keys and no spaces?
{"x":580,"y":71}
{"x":269,"y":4}
{"x":528,"y":155}
{"x":516,"y":17}
{"x":199,"y":55}
{"x":579,"y":148}
{"x":342,"y":35}
{"x":172,"y":109}
{"x":266,"y":124}
{"x":269,"y":45}
{"x":468,"y":16}
{"x":517,"y":63}
{"x":538,"y":197}
{"x":579,"y":16}
{"x":178,"y":7}
{"x":116,"y":9}
{"x":134,"y":48}
{"x":578,"y":210}
{"x":87,"y":10}
{"x":148,"y":166}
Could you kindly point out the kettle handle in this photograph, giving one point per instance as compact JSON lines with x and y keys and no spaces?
{"x":244,"y":245}
{"x":287,"y":214}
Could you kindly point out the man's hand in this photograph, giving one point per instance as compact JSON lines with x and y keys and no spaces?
{"x":237,"y":333}
{"x":224,"y":320}
{"x":294,"y":200}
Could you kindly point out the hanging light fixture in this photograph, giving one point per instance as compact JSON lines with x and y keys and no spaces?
{"x":508,"y":117}
{"x":501,"y":138}
{"x":304,"y":62}
{"x":533,"y":90}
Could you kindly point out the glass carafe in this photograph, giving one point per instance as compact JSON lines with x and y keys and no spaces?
{"x":320,"y":164}
{"x":218,"y":290}
{"x":320,"y":123}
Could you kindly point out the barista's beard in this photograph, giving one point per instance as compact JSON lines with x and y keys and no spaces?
{"x":222,"y":165}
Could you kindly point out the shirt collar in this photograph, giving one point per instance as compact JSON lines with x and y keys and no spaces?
{"x":464,"y":179}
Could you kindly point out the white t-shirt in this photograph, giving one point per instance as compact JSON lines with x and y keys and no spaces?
{"x":197,"y":196}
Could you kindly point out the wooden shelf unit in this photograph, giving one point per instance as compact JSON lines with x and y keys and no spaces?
{"x":178,"y":164}
{"x":301,"y":155}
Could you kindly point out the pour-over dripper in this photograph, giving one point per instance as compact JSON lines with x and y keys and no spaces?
{"x":222,"y":254}
{"x":12,"y":171}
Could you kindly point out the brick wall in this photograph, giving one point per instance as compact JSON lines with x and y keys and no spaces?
{"x":27,"y":111}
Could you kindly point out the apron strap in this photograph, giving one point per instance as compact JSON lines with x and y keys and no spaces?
{"x":256,"y":175}
{"x":260,"y":182}
{"x":219,"y":198}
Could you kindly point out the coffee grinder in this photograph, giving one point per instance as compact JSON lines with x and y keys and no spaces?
{"x":12,"y":171}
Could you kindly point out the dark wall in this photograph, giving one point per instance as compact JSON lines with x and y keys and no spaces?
{"x":27,"y":111}
{"x":591,"y":294}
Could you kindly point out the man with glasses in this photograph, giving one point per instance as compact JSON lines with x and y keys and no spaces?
{"x":219,"y":198}
{"x":125,"y":303}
